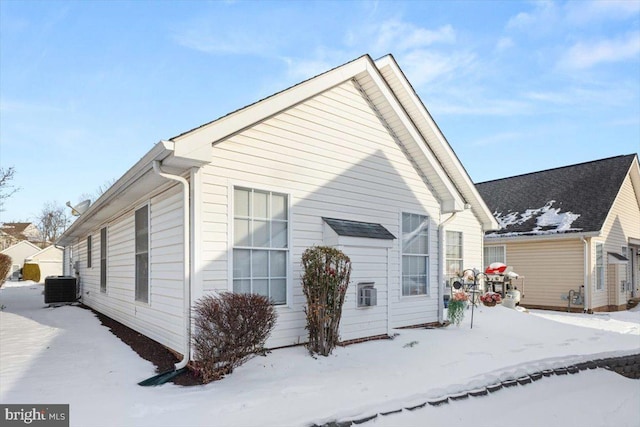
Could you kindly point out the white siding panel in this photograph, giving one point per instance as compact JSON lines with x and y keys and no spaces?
{"x":334,"y":158}
{"x":161,"y":319}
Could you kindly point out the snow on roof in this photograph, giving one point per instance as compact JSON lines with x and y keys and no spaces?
{"x":549,"y":220}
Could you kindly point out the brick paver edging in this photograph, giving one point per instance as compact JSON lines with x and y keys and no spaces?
{"x":628,"y":366}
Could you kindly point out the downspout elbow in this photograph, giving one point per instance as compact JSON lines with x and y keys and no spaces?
{"x":187,"y":280}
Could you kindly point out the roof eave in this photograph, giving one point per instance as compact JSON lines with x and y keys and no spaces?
{"x":111,"y":200}
{"x":539,"y":237}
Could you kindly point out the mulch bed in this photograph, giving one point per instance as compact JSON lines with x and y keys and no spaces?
{"x":148,"y":349}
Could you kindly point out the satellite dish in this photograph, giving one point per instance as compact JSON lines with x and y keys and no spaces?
{"x":80,"y":208}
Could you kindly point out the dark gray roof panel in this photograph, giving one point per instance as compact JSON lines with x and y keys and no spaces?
{"x":568,"y":199}
{"x":343,"y":227}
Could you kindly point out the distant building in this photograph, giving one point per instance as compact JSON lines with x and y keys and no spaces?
{"x":13,"y":232}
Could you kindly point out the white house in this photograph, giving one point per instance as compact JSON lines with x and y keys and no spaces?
{"x":18,"y":253}
{"x":349,"y":158}
{"x":49,"y":261}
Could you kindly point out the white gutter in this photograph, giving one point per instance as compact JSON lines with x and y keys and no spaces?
{"x":587,"y":302}
{"x":441,"y":262}
{"x":186,"y":262}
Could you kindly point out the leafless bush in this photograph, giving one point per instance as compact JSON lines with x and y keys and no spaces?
{"x":230,"y":329}
{"x":5,"y":267}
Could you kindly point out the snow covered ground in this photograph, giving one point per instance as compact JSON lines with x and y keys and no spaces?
{"x":64,"y":355}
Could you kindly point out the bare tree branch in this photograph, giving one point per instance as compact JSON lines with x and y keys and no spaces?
{"x":6,"y":188}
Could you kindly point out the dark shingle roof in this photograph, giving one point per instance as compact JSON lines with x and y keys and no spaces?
{"x":344,"y":227}
{"x":574,"y":198}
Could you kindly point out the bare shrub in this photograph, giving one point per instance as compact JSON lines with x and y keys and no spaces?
{"x":5,"y":267}
{"x":326,"y":277}
{"x":230,"y":329}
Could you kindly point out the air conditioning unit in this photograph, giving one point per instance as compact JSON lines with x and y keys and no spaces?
{"x":367,"y":295}
{"x":60,"y":289}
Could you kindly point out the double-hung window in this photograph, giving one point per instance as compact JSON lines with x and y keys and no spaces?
{"x":599,"y":266}
{"x":89,"y":255}
{"x":261,"y":240}
{"x":494,"y":254}
{"x":454,"y":262}
{"x":415,"y":254}
{"x":142,"y":254}
{"x":103,"y":259}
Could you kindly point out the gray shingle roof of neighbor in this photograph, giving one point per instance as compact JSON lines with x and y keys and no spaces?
{"x":348,"y":228}
{"x":569,"y":199}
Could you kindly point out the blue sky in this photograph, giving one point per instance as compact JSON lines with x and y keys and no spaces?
{"x":87,"y":88}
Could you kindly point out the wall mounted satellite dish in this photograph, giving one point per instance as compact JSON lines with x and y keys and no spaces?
{"x":80,"y":208}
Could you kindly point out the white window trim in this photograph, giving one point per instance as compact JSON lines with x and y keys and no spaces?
{"x":146,"y":303}
{"x":595,"y":268}
{"x":232,"y":184}
{"x":504,"y":250}
{"x":461,"y":250}
{"x":106,"y":260}
{"x":401,"y":252}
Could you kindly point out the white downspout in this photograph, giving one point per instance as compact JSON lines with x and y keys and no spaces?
{"x":186,"y":262}
{"x":587,"y":302}
{"x":441,"y":262}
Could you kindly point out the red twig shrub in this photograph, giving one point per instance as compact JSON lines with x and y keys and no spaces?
{"x":326,"y":277}
{"x":230,"y":329}
{"x":5,"y":267}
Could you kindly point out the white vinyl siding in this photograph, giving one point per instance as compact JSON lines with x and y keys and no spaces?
{"x":415,"y":254}
{"x":334,"y":158}
{"x":494,"y":254}
{"x":160,"y":318}
{"x":454,"y":261}
{"x":142,"y":254}
{"x":260,"y":249}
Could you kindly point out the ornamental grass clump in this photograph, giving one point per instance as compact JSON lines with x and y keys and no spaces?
{"x":324,"y":283}
{"x":229,"y":329}
{"x":455,"y":310}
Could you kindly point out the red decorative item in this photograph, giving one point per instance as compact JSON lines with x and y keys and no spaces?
{"x":496,"y":268}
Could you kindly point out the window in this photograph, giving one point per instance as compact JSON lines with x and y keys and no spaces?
{"x":260,"y":247}
{"x":89,"y":252}
{"x":494,"y":254}
{"x":142,"y":254}
{"x":415,"y":254}
{"x":627,"y":269}
{"x":103,"y":259}
{"x":454,"y":264}
{"x":599,"y":266}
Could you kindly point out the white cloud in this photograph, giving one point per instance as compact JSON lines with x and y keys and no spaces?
{"x":588,"y":54}
{"x":209,"y":40}
{"x":541,"y":19}
{"x":581,"y":13}
{"x":504,"y":43}
{"x":398,"y":35}
{"x":426,"y":66}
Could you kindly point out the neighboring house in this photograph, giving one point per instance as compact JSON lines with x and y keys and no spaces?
{"x":7,"y":240}
{"x":350,"y":158}
{"x":49,"y":261}
{"x":570,"y":227}
{"x":18,"y":253}
{"x":22,"y":231}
